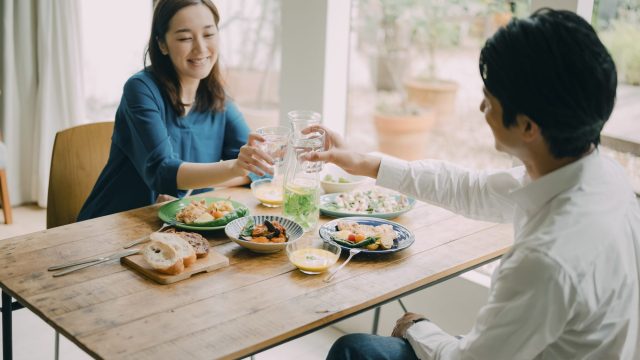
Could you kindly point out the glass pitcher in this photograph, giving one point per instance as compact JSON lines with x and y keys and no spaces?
{"x":302,"y":183}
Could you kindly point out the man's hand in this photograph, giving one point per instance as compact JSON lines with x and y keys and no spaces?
{"x":335,"y":151}
{"x":404,"y":323}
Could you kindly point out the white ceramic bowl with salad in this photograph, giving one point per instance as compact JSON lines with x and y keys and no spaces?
{"x":335,"y":180}
{"x":374,"y":202}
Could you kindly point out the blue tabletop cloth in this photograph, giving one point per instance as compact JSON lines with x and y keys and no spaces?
{"x":149,"y":143}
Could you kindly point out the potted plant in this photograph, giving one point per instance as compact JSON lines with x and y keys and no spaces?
{"x":433,"y":28}
{"x":402,"y":122}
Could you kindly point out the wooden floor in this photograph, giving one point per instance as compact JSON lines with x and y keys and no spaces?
{"x":34,"y":339}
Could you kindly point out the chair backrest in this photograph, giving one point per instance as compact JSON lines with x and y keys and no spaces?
{"x":79,"y":155}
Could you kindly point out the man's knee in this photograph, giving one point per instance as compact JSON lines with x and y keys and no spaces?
{"x":349,"y":347}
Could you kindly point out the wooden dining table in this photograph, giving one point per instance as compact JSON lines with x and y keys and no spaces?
{"x":257,"y":302}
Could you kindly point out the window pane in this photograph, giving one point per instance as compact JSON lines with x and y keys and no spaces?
{"x":114,"y":36}
{"x":250,"y":57}
{"x":415,"y":88}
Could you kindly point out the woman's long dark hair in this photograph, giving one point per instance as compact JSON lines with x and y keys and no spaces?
{"x":210,"y":95}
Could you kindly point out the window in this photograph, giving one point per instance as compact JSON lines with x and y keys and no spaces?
{"x":114,"y":37}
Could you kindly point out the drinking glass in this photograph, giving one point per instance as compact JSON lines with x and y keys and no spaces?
{"x":275,"y":143}
{"x":312,"y":142}
{"x":301,"y":119}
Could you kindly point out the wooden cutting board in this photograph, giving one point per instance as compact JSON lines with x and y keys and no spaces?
{"x":212,"y":262}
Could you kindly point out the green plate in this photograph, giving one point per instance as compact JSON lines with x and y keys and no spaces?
{"x":167,"y":213}
{"x":328,"y":210}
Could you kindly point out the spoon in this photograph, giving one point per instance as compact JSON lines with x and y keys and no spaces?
{"x":352,"y":253}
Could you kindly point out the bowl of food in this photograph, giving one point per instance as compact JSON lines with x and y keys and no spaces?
{"x":268,"y":193}
{"x":335,"y":180}
{"x":312,"y":255}
{"x":263,"y":233}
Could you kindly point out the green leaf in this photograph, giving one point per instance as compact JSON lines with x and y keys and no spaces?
{"x":363,"y":243}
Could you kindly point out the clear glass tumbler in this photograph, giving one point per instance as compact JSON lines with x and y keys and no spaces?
{"x":276,"y":139}
{"x":301,"y":119}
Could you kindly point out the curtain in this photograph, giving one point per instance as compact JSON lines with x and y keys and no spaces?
{"x":41,"y":88}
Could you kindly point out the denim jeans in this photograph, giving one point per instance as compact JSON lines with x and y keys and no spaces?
{"x":367,"y":346}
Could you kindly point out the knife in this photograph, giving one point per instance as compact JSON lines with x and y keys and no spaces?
{"x":77,"y":265}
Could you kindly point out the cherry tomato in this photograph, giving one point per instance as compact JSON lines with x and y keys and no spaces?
{"x":352,"y":238}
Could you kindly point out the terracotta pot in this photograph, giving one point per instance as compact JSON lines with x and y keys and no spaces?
{"x":439,"y":95}
{"x":502,"y":19}
{"x":404,"y":136}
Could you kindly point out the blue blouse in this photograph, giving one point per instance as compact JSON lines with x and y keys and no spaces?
{"x":149,"y":143}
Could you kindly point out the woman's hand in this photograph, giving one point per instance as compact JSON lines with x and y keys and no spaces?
{"x":164,"y":198}
{"x":337,"y":152}
{"x":252,"y":158}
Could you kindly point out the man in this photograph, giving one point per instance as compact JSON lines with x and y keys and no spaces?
{"x":568,"y":289}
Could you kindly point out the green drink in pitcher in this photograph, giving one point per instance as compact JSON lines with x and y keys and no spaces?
{"x":302,"y":203}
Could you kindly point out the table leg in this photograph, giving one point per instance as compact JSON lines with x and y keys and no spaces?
{"x":6,"y":327}
{"x":376,"y":319}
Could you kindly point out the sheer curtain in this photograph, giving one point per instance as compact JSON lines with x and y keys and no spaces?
{"x":41,"y":88}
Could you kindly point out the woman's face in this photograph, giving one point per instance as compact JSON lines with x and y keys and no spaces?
{"x":192,"y":43}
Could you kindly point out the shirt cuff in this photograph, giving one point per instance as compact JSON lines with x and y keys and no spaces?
{"x":253,"y":177}
{"x":169,"y":178}
{"x":427,"y":339}
{"x":391,"y":171}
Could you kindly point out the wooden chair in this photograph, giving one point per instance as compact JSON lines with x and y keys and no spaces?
{"x":79,"y":155}
{"x":4,"y":190}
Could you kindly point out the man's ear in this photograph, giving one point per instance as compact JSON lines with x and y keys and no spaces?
{"x":163,"y":46}
{"x":529,"y":130}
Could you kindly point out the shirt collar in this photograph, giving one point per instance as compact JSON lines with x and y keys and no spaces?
{"x":535,"y":194}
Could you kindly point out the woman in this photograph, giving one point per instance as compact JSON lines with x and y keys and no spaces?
{"x":174,"y":124}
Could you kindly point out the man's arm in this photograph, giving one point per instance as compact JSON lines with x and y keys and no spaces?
{"x":528,"y":308}
{"x":478,"y":195}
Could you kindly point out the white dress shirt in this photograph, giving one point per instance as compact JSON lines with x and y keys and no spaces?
{"x":569,"y":287}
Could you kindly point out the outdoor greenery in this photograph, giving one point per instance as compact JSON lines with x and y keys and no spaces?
{"x":620,"y":32}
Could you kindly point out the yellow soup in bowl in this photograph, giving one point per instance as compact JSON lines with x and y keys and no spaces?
{"x":267,"y":193}
{"x":313,"y":260}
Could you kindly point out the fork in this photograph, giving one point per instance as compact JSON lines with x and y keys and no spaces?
{"x":353,"y":252}
{"x":78,"y":265}
{"x":146,"y":237}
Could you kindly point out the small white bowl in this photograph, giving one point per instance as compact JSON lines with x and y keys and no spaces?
{"x":294,"y":232}
{"x":269,"y":195}
{"x":334,"y":185}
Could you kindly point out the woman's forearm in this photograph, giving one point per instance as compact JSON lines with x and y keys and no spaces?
{"x":197,"y":175}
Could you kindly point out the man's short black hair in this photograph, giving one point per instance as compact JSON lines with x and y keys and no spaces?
{"x":553,"y":68}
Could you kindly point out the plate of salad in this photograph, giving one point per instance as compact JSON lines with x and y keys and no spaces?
{"x":372,"y":202}
{"x":372,"y":235}
{"x":202,"y":213}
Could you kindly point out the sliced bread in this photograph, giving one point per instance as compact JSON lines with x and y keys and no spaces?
{"x":185,"y":251}
{"x":199,"y":243}
{"x":163,"y":258}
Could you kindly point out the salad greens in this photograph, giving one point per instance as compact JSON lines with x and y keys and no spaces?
{"x":302,"y":205}
{"x":341,"y":180}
